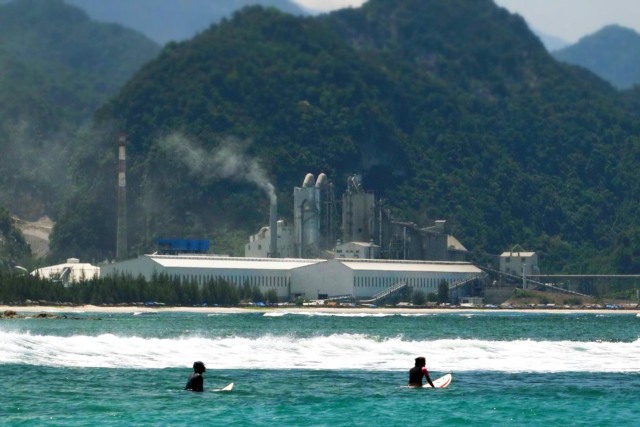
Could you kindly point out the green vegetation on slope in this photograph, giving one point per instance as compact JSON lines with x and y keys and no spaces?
{"x":449,"y":109}
{"x":13,"y":247}
{"x":57,"y":68}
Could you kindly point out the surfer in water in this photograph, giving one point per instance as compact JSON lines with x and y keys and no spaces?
{"x":417,"y":372}
{"x":196,"y":380}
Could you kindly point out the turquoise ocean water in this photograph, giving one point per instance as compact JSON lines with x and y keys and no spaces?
{"x":315,"y":369}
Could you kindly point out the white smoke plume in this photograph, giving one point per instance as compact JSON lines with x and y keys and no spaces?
{"x":228,"y":160}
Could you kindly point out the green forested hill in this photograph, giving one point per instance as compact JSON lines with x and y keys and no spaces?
{"x":57,"y":66}
{"x":13,"y":247}
{"x":612,"y":53}
{"x":448,"y":108}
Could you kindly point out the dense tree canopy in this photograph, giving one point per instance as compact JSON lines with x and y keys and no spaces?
{"x":448,"y":108}
{"x":13,"y":247}
{"x":164,"y":289}
{"x":57,"y":66}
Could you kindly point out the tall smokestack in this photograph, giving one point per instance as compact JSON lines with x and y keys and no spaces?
{"x":273,"y":229}
{"x":121,"y":236}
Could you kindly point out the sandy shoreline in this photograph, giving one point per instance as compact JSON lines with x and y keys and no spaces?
{"x":340,"y":310}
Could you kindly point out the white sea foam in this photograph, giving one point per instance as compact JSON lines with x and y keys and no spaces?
{"x":324,"y":314}
{"x":333,"y":352}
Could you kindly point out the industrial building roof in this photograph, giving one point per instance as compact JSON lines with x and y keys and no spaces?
{"x":195,"y":261}
{"x":422,"y":266}
{"x":231,"y":262}
{"x":453,"y":243}
{"x":362,"y":244}
{"x":517,"y":254}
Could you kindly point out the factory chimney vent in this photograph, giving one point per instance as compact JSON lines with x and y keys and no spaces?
{"x":121,"y":228}
{"x":273,"y":229}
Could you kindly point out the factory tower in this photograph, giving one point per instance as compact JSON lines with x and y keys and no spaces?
{"x":121,"y":233}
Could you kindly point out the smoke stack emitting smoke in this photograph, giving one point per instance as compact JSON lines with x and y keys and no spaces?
{"x":273,"y":230}
{"x":227,"y":161}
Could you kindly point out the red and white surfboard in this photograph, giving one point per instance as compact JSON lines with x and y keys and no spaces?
{"x":443,"y":381}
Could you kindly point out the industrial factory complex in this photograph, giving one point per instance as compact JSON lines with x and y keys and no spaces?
{"x":360,"y":253}
{"x":351,"y":248}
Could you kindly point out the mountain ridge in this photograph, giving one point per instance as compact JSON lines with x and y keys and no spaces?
{"x":485,"y":130}
{"x":168,"y":20}
{"x":613,"y":53}
{"x":58,"y":67}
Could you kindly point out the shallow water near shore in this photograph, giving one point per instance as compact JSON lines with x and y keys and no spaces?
{"x":321,"y":369}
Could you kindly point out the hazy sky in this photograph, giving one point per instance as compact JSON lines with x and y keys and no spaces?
{"x":566,"y":19}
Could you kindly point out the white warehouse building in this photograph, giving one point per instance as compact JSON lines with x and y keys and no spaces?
{"x":363,"y":278}
{"x":73,"y":271}
{"x":308,"y":278}
{"x":265,"y":273}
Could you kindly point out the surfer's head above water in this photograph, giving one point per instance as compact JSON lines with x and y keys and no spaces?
{"x":417,"y":372}
{"x":196,"y":380}
{"x":199,"y":367}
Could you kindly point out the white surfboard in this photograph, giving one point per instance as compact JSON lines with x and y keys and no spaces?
{"x":441,"y":382}
{"x":228,"y":387}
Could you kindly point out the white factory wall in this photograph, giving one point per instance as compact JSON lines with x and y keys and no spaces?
{"x":329,"y":277}
{"x":72,"y":271}
{"x":265,"y":273}
{"x":259,"y":245}
{"x":362,"y":250}
{"x":373,"y":276}
{"x":264,"y":280}
{"x":143,"y":265}
{"x":369,"y":283}
{"x":298,"y":277}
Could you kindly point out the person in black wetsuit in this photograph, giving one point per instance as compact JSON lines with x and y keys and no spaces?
{"x":196,"y":380}
{"x":417,"y":372}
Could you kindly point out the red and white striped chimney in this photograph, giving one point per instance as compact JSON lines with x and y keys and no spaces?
{"x":121,"y":236}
